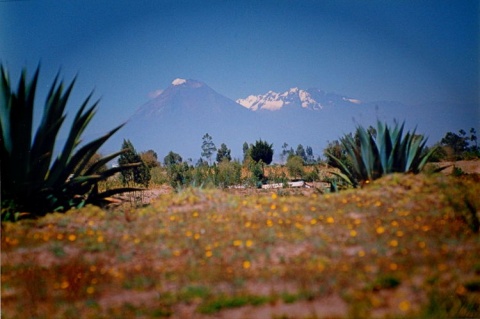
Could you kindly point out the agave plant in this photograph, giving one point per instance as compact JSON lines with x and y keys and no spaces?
{"x":374,"y":154}
{"x":33,"y":184}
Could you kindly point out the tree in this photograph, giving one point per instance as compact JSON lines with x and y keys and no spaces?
{"x":140,"y":174}
{"x":301,"y":152}
{"x":246,"y":149}
{"x":262,"y":151}
{"x":208,"y":147}
{"x":473,"y":138}
{"x":310,"y":156}
{"x":456,"y":142}
{"x":285,"y":152}
{"x":223,"y":153}
{"x":150,"y":158}
{"x":172,"y":159}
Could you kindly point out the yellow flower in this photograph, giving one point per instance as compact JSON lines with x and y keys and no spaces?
{"x":404,"y":305}
{"x":361,"y":253}
{"x":237,"y":243}
{"x":380,"y":230}
{"x":90,"y":290}
{"x":248,"y":224}
{"x":100,"y":239}
{"x":208,"y":253}
{"x":313,"y":221}
{"x":249,"y":243}
{"x":246,"y":264}
{"x":330,"y":220}
{"x":269,"y":223}
{"x":274,"y":196}
{"x":353,"y":233}
{"x":72,"y":237}
{"x":393,"y":243}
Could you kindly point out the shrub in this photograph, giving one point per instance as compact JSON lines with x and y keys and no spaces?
{"x":228,"y":173}
{"x":295,"y":166}
{"x":381,"y":151}
{"x":31,"y":183}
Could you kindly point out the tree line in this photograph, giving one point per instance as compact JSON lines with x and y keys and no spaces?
{"x":217,"y":167}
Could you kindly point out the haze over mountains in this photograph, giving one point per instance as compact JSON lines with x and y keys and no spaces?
{"x":178,"y":117}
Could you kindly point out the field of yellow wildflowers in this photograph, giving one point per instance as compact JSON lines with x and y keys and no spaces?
{"x":403,"y":247}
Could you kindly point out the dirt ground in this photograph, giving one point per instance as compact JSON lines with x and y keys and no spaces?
{"x":468,"y":167}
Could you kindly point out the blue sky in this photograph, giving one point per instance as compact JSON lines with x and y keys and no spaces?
{"x":407,"y":51}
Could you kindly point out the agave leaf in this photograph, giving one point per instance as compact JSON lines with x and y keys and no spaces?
{"x":411,"y":150}
{"x":85,"y":178}
{"x":59,"y":167}
{"x":21,"y":117}
{"x":383,"y":144}
{"x":103,"y":161}
{"x":350,"y":146}
{"x":5,"y":107}
{"x":78,"y":161}
{"x":349,"y":177}
{"x":27,"y":181}
{"x":115,"y":191}
{"x":114,"y":170}
{"x":83,"y":155}
{"x":367,"y":151}
{"x":345,"y":177}
{"x":52,"y":120}
{"x":425,"y":159}
{"x":396,"y":137}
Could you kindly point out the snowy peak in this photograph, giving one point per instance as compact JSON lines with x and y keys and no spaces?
{"x":179,"y":81}
{"x":312,"y":99}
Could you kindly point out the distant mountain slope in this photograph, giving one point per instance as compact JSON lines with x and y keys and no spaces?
{"x":177,"y":119}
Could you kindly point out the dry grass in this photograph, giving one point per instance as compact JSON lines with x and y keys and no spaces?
{"x":403,"y":246}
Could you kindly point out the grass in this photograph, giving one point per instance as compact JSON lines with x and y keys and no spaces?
{"x":403,"y":246}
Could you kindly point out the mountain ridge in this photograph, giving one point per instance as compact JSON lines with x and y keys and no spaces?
{"x":178,"y":117}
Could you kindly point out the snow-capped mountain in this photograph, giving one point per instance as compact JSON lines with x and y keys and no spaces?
{"x":176,"y":119}
{"x":181,"y":114}
{"x":189,"y":97}
{"x":312,"y":99}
